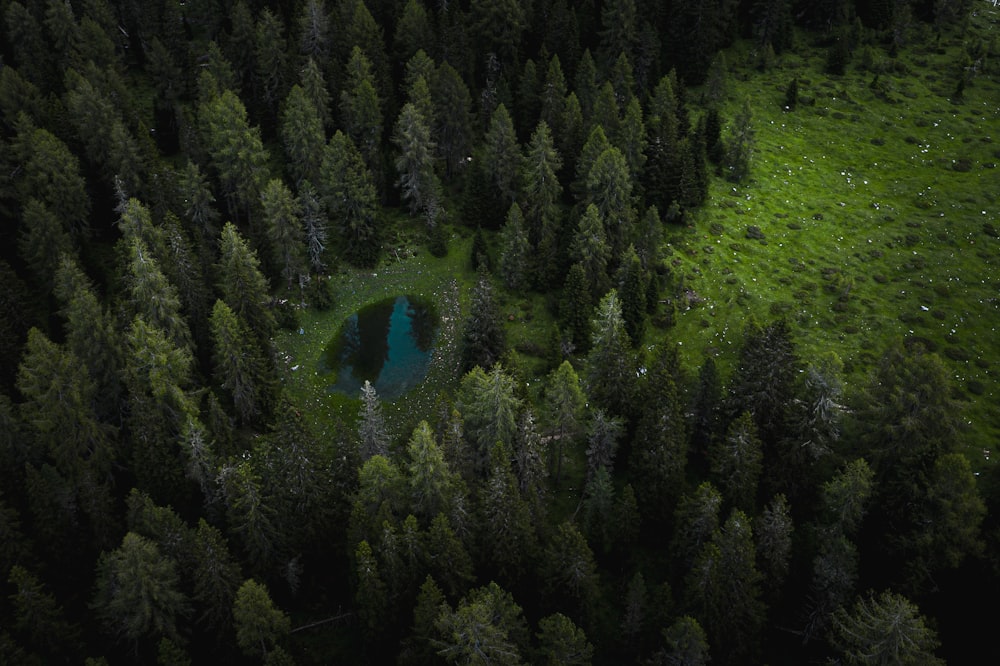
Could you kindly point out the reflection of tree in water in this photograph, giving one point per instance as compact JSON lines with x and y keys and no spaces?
{"x":423,"y":322}
{"x":372,"y":351}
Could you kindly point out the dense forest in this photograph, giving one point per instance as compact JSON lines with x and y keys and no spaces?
{"x":189,"y":190}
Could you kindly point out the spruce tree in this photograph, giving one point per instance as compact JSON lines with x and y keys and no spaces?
{"x":484,"y":341}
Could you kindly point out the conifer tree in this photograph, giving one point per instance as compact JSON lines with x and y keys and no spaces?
{"x":42,"y":240}
{"x":737,"y":462}
{"x":372,"y":429}
{"x":452,"y":124}
{"x":414,"y":30}
{"x":244,"y":288}
{"x":489,"y":409}
{"x":314,"y":86}
{"x":236,"y":151}
{"x":609,"y":187}
{"x":564,"y":414}
{"x":138,"y":592}
{"x":259,"y":624}
{"x":361,"y":108}
{"x":348,"y":191}
{"x":240,"y":366}
{"x":562,"y":642}
{"x":281,"y":216}
{"x":484,"y":341}
{"x":417,"y":181}
{"x":576,"y":308}
{"x":514,"y":250}
{"x":590,"y":250}
{"x":302,"y":135}
{"x":609,"y":364}
{"x":741,"y":145}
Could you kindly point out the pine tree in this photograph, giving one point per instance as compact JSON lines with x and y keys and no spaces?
{"x":348,"y":191}
{"x":414,"y":30}
{"x":724,"y":586}
{"x":884,"y":629}
{"x":489,"y":408}
{"x":486,"y":627}
{"x":514,"y":250}
{"x":564,"y":409}
{"x":236,"y":151}
{"x":452,"y":124}
{"x":576,"y":308}
{"x":602,"y":441}
{"x":609,"y":187}
{"x":542,"y":193}
{"x":562,"y":642}
{"x":240,"y":366}
{"x":39,"y":618}
{"x":314,"y":221}
{"x":302,"y":135}
{"x":609,"y":364}
{"x":49,"y":170}
{"x":502,"y":158}
{"x":484,"y":341}
{"x":361,"y":108}
{"x":417,"y":181}
{"x":737,"y":462}
{"x":372,"y":429}
{"x":244,"y":288}
{"x":659,"y":449}
{"x":259,"y":625}
{"x":696,"y":520}
{"x":138,"y":592}
{"x":42,"y":241}
{"x":590,"y":250}
{"x":281,"y":216}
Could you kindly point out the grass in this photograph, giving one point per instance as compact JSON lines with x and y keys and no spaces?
{"x":876,"y":218}
{"x":407,"y":269}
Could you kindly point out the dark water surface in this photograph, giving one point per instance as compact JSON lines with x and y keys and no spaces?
{"x":388,"y":343}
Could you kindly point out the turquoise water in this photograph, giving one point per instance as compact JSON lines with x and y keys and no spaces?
{"x":388,"y":343}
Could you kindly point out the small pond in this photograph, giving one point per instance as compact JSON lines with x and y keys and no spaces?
{"x":388,"y":343}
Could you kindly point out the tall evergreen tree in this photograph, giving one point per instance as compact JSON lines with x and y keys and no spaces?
{"x":138,"y":592}
{"x":302,"y":135}
{"x":565,"y":405}
{"x":372,"y":429}
{"x":418,"y":183}
{"x":240,"y":366}
{"x":452,"y":123}
{"x":484,"y":341}
{"x":489,"y":408}
{"x":281,"y":216}
{"x":361,"y":108}
{"x":347,"y":189}
{"x":244,"y":288}
{"x":259,"y":625}
{"x":515,"y":250}
{"x":590,"y":250}
{"x":610,"y":376}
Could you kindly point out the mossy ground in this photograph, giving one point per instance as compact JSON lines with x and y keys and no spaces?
{"x":407,"y":269}
{"x":877,"y":216}
{"x":870,"y":217}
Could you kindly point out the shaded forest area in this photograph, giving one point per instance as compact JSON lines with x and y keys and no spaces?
{"x":180,"y":179}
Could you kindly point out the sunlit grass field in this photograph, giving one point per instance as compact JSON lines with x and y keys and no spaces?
{"x":877,"y":219}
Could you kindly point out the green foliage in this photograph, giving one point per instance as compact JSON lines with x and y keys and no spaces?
{"x":484,"y":340}
{"x":884,"y":629}
{"x":610,"y":363}
{"x":259,"y":624}
{"x":348,"y":192}
{"x":562,"y":642}
{"x":138,"y":593}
